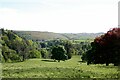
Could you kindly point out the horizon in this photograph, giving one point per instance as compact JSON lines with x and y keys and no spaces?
{"x":64,"y":16}
{"x":56,"y":32}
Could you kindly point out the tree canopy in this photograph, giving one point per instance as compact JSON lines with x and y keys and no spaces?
{"x":59,"y":53}
{"x":15,"y":48}
{"x":105,"y":48}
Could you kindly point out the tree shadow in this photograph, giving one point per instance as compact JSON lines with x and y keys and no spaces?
{"x":46,"y":60}
{"x":104,"y":66}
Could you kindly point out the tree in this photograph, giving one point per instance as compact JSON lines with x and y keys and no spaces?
{"x":58,"y":53}
{"x":44,"y":53}
{"x":15,"y":48}
{"x":9,"y":55}
{"x":105,"y":49}
{"x":43,"y":45}
{"x":34,"y":53}
{"x":69,"y":48}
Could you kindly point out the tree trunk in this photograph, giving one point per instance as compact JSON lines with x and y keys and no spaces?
{"x":107,"y":64}
{"x":88,"y":62}
{"x":58,"y":60}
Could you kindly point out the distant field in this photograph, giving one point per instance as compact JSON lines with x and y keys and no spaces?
{"x":46,"y":68}
{"x":82,"y":40}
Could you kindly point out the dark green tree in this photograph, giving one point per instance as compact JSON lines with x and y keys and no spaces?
{"x":58,"y":53}
{"x":44,"y":53}
{"x":69,"y":48}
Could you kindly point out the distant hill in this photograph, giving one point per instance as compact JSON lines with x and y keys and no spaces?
{"x":38,"y":35}
{"x":82,"y":36}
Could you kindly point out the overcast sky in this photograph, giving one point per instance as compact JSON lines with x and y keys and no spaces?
{"x":62,"y":16}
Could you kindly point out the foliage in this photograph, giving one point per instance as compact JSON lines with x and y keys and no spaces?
{"x":15,"y":48}
{"x":9,"y":54}
{"x":72,"y":47}
{"x":105,"y":49}
{"x":82,"y":47}
{"x":44,"y":53}
{"x":69,"y":49}
{"x":34,"y":54}
{"x":58,"y":53}
{"x":25,"y":47}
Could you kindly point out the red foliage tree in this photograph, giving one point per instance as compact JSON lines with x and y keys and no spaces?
{"x":106,"y":48}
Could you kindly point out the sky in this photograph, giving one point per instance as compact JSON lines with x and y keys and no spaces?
{"x":60,"y":16}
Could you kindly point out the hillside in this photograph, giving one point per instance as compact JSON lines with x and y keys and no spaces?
{"x":14,"y":47}
{"x":38,"y":35}
{"x":82,"y":36}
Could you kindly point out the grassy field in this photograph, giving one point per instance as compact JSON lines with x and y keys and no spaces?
{"x":47,"y":68}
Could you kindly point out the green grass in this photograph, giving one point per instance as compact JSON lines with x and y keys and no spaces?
{"x":73,"y":68}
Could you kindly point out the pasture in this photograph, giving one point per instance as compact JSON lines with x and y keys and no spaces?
{"x":47,"y":68}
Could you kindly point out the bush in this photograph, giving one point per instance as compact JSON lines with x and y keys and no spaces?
{"x":34,"y":54}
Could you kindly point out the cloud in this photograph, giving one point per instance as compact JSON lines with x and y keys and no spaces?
{"x":59,"y":16}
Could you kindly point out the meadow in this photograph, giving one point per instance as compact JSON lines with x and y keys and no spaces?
{"x":47,"y":68}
